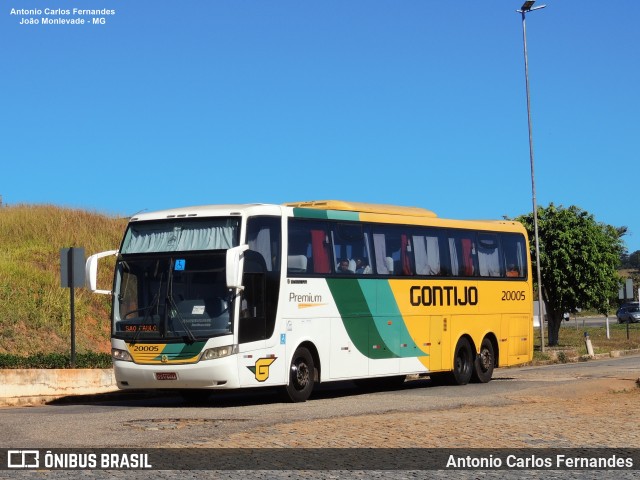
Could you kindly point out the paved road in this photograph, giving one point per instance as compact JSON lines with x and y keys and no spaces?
{"x":584,"y":405}
{"x":589,"y":322}
{"x":164,"y":420}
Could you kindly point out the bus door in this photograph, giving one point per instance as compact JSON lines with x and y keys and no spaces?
{"x":257,"y":351}
{"x":519,"y":331}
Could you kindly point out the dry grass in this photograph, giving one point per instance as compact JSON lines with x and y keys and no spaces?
{"x":573,"y":340}
{"x":34,"y":309}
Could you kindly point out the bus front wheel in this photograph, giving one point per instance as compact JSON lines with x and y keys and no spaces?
{"x":301,"y":376}
{"x":462,"y":362}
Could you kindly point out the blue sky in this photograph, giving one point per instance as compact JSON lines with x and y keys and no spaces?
{"x":417,"y":103}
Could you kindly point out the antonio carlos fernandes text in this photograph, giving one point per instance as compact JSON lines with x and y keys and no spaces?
{"x":61,"y":11}
{"x":559,"y":462}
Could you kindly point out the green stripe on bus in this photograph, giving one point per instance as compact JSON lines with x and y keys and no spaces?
{"x":325,"y":214}
{"x":387,"y":325}
{"x":357,"y":318}
{"x":390,"y":324}
{"x":177,"y":351}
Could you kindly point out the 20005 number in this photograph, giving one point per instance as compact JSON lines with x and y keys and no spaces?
{"x":146,"y":348}
{"x":508,"y":295}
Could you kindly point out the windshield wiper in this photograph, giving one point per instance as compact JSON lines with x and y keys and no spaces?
{"x":148,"y":315}
{"x":190,"y":337}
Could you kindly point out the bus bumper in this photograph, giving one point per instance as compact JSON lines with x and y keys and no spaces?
{"x":221,"y":373}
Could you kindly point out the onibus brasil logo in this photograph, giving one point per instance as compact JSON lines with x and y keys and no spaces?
{"x":261,"y":368}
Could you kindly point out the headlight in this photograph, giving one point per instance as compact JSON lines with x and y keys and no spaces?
{"x":121,"y":355}
{"x":219,"y":352}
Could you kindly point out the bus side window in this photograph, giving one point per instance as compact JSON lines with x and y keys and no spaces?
{"x":513,"y":247}
{"x":263,"y":236}
{"x":427,"y":254}
{"x":308,"y":239}
{"x":350,"y":248}
{"x":463,"y":253}
{"x":394,"y":251}
{"x":384,"y":264}
{"x":488,"y":255}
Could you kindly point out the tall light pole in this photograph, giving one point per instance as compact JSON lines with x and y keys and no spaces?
{"x":526,"y":8}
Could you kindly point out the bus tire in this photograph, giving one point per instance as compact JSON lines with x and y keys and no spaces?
{"x":484,"y":363}
{"x":462,"y":362}
{"x":301,"y":376}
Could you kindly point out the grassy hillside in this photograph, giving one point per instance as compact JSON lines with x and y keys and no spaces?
{"x":34,"y":309}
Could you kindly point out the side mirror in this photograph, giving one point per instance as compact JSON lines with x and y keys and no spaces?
{"x":235,"y":264}
{"x":91,"y":271}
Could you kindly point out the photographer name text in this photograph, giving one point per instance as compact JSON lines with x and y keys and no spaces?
{"x":61,"y":16}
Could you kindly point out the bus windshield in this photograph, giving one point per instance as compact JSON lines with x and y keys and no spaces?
{"x":180,"y":296}
{"x":181,"y":235}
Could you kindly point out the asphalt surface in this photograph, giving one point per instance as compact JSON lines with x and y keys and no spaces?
{"x":584,"y":405}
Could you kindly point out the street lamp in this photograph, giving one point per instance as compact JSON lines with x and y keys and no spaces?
{"x":526,"y":8}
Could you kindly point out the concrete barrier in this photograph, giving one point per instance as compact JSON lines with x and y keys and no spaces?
{"x":34,"y":387}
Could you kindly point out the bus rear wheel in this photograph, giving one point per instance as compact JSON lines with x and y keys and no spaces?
{"x":462,"y":362}
{"x":301,"y":376}
{"x":485,"y":363}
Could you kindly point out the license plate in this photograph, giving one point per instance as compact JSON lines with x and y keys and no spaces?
{"x":166,"y":376}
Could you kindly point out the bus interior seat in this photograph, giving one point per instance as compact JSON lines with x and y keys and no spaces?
{"x":217,"y":307}
{"x":218,"y":311}
{"x":254,"y":262}
{"x":389,"y":264}
{"x":214,"y":309}
{"x":297,"y":264}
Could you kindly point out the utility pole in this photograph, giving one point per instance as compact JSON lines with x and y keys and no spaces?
{"x":526,"y":8}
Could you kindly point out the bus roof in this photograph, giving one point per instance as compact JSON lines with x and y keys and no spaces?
{"x":368,"y":212}
{"x":364,"y":208}
{"x":205,"y":211}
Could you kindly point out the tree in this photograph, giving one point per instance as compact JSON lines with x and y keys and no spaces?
{"x":578,"y":260}
{"x":631,"y":260}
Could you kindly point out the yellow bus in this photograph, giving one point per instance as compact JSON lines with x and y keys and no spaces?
{"x":232,"y":296}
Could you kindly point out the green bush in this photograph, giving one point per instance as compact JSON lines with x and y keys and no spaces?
{"x":56,"y":360}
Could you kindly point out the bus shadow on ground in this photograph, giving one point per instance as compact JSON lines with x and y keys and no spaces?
{"x":228,"y":399}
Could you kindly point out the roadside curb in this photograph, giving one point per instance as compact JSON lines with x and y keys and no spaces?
{"x":611,"y":354}
{"x":570,"y":356}
{"x":24,"y":387}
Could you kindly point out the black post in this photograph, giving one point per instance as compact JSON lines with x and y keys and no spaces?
{"x":72,"y":265}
